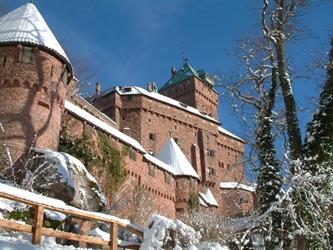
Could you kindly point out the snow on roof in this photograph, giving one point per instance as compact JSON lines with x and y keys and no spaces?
{"x":134,"y":90}
{"x":202,"y":203}
{"x":172,"y":155}
{"x":26,"y":25}
{"x":47,"y":201}
{"x":102,"y":125}
{"x":226,"y":132}
{"x":89,"y":105}
{"x":209,"y":198}
{"x":117,"y":134}
{"x":237,"y":185}
{"x":159,"y":163}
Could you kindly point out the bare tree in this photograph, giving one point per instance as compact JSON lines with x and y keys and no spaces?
{"x":290,"y":214}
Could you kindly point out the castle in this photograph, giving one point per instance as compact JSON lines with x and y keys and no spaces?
{"x":175,"y":145}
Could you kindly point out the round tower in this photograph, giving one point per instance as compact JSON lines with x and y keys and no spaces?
{"x":34,"y":73}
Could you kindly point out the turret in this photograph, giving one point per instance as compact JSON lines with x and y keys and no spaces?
{"x":192,"y":87}
{"x":34,"y":74}
{"x":185,"y":175}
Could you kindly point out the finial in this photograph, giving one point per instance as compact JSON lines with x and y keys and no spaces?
{"x":185,"y":59}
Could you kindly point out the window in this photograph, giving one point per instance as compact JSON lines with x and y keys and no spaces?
{"x":129,"y":97}
{"x":4,"y":61}
{"x":211,"y":171}
{"x":177,"y":141}
{"x":243,"y":199}
{"x":192,"y":183}
{"x":64,"y":76}
{"x":228,"y":166}
{"x":152,"y":136}
{"x":151,"y":169}
{"x":211,"y":152}
{"x":167,"y":177}
{"x":221,"y":164}
{"x":26,"y":54}
{"x":132,"y":154}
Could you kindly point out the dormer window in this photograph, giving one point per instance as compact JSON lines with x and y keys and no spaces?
{"x":64,"y":76}
{"x":26,"y":54}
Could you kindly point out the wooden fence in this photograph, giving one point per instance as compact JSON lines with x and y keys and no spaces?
{"x":38,"y":230}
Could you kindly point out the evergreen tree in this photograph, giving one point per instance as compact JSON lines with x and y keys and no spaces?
{"x":269,"y":180}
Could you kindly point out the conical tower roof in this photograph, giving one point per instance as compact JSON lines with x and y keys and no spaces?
{"x":171,"y":154}
{"x":26,"y":25}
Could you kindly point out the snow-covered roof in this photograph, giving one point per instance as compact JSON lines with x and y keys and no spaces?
{"x":226,"y":132}
{"x":172,"y":155}
{"x":117,"y":134}
{"x":103,"y":126}
{"x":208,"y":198}
{"x":237,"y":185}
{"x":26,"y":25}
{"x":202,"y":203}
{"x":159,"y":163}
{"x":134,"y":90}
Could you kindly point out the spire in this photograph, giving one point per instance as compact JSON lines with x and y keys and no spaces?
{"x":26,"y":25}
{"x":171,"y":154}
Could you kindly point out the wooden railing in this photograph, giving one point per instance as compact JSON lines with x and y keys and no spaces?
{"x":38,"y":230}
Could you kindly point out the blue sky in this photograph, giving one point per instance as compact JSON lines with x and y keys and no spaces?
{"x":133,"y":42}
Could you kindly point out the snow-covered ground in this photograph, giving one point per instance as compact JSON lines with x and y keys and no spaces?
{"x":22,"y":241}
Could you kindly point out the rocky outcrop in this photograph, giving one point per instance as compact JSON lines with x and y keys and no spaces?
{"x":62,"y":176}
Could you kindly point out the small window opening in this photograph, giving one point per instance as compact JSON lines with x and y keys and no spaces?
{"x":26,"y":54}
{"x":44,"y":104}
{"x":211,"y":152}
{"x":167,"y":177}
{"x":4,"y":61}
{"x":64,"y":76}
{"x":132,"y":154}
{"x":152,"y":136}
{"x":211,"y":171}
{"x":151,"y":170}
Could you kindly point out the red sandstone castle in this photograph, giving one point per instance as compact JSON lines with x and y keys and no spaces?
{"x":177,"y":147}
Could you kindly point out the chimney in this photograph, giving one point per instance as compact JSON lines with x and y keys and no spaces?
{"x":173,"y":72}
{"x":151,"y":87}
{"x":98,"y":88}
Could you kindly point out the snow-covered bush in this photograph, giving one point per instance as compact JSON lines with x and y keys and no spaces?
{"x":164,"y":233}
{"x":213,"y":227}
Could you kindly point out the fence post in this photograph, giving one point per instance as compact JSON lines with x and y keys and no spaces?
{"x":113,"y":236}
{"x":38,"y":224}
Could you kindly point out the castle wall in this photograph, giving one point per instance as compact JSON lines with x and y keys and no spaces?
{"x":206,"y":98}
{"x":156,"y":187}
{"x":32,"y":97}
{"x":212,"y":153}
{"x":236,"y":203}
